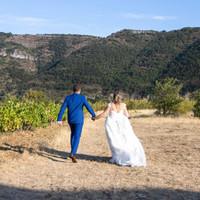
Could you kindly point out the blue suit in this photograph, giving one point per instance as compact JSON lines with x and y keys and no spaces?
{"x":75,"y":103}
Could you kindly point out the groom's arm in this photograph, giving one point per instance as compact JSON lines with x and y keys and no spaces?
{"x":62,"y":110}
{"x":88,"y":107}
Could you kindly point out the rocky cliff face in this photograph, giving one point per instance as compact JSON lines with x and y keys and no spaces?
{"x":29,"y":50}
{"x":18,"y":54}
{"x":35,"y":41}
{"x":30,"y":41}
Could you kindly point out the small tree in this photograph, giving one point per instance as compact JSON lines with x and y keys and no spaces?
{"x":196,"y":108}
{"x":166,"y":98}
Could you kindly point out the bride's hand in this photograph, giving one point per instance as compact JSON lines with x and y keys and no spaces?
{"x":60,"y":123}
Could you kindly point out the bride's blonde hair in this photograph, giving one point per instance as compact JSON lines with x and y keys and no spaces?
{"x":117,"y":97}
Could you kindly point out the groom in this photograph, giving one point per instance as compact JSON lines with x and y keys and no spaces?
{"x":75,"y":103}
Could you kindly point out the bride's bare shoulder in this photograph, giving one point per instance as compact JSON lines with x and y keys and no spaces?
{"x":123,"y":104}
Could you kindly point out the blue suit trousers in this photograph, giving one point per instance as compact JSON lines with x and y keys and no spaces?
{"x":76,"y":130}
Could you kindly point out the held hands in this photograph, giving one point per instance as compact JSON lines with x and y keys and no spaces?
{"x":60,"y":123}
{"x":93,"y":118}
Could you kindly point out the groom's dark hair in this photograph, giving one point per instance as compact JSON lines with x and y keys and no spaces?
{"x":76,"y":87}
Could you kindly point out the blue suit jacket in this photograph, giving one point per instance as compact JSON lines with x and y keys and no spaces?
{"x":75,"y":103}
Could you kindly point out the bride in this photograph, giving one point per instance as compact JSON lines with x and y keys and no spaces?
{"x":125,"y":146}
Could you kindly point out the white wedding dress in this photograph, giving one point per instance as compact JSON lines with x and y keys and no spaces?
{"x":125,"y":146}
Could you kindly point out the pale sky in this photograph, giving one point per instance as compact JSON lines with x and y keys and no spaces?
{"x":96,"y":17}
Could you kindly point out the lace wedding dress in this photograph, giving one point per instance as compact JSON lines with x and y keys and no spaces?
{"x":125,"y":146}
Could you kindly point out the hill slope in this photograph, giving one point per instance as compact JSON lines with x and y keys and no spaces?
{"x":129,"y":60}
{"x":186,"y":67}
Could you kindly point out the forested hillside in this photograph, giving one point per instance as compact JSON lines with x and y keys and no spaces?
{"x":186,"y":67}
{"x":128,"y":60}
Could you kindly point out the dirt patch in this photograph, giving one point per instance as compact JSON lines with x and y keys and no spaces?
{"x":34,"y":165}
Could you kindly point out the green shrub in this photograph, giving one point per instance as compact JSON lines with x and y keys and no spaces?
{"x":99,"y":105}
{"x":185,"y":106}
{"x":166,"y":98}
{"x":26,"y":114}
{"x":9,"y":115}
{"x":196,"y":108}
{"x":135,"y":104}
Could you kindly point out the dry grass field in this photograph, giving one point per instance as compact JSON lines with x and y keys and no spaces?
{"x":34,"y":165}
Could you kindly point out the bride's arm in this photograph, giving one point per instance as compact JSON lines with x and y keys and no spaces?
{"x":126,"y":113}
{"x":104,"y":113}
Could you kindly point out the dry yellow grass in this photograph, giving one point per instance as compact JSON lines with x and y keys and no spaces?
{"x":33,"y":166}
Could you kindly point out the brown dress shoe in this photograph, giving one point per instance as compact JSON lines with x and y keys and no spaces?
{"x":73,"y":159}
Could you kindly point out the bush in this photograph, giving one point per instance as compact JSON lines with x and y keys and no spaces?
{"x":135,"y":104}
{"x":9,"y":111}
{"x":18,"y":114}
{"x":196,"y":108}
{"x":185,"y":106}
{"x":166,"y":98}
{"x":99,"y":105}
